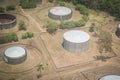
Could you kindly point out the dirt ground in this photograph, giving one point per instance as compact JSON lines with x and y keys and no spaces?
{"x":58,"y":63}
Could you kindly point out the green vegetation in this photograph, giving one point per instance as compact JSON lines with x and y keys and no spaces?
{"x":105,"y":41}
{"x":12,"y":79}
{"x":2,"y":9}
{"x":1,"y":0}
{"x":10,"y":7}
{"x":111,"y":6}
{"x":27,"y":35}
{"x":22,"y":26}
{"x":82,"y":9}
{"x":52,"y":27}
{"x":50,"y":1}
{"x":27,"y":4}
{"x":91,"y":28}
{"x":61,"y":3}
{"x":8,"y":38}
{"x":72,"y":24}
{"x":67,"y":25}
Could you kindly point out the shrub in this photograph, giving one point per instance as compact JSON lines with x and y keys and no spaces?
{"x":26,"y":4}
{"x":85,"y":18}
{"x":51,"y":27}
{"x":105,"y":40}
{"x":72,"y":24}
{"x":10,"y":7}
{"x":67,"y":25}
{"x":8,"y":38}
{"x":91,"y":29}
{"x":22,"y":26}
{"x":62,"y":3}
{"x":51,"y":30}
{"x":83,"y":10}
{"x":2,"y":9}
{"x":74,"y":2}
{"x":27,"y":35}
{"x":50,"y":1}
{"x":80,"y":23}
{"x":24,"y":36}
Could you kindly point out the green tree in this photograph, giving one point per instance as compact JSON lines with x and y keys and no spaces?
{"x":82,"y":9}
{"x":111,"y":6}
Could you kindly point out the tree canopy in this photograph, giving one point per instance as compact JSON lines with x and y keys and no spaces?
{"x":110,"y":6}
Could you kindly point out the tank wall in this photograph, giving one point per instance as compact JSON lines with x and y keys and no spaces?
{"x":57,"y":17}
{"x":75,"y":47}
{"x":15,"y":60}
{"x":9,"y":24}
{"x":118,"y":32}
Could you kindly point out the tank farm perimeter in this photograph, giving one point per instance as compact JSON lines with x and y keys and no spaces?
{"x":69,"y":54}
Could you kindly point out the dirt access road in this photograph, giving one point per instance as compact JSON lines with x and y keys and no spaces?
{"x":34,"y":25}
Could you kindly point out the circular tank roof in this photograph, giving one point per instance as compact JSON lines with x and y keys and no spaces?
{"x":15,"y":52}
{"x":76,"y":36}
{"x":111,"y":77}
{"x":60,"y":11}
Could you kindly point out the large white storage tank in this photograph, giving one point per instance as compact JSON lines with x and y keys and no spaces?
{"x":76,"y":41}
{"x":60,"y":13}
{"x":110,"y":77}
{"x":15,"y":55}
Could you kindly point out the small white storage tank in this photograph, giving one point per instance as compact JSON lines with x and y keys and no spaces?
{"x":15,"y":55}
{"x":110,"y":77}
{"x":60,"y":13}
{"x":76,"y":41}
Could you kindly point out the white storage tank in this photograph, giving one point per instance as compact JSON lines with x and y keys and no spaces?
{"x":60,"y":13}
{"x":76,"y":41}
{"x":110,"y":77}
{"x":15,"y":55}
